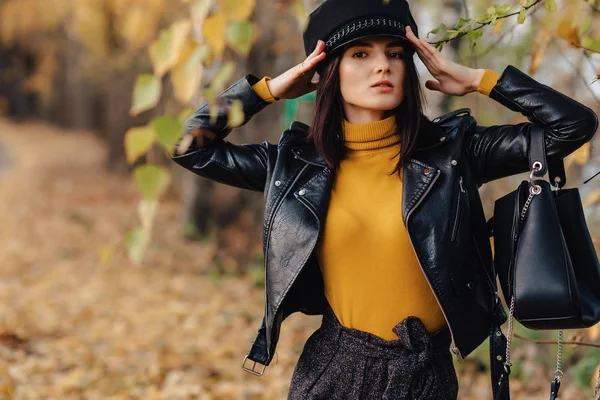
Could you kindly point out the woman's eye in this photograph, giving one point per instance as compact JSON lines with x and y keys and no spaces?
{"x":362,"y":54}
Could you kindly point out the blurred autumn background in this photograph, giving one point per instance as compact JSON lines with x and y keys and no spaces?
{"x":123,"y":276}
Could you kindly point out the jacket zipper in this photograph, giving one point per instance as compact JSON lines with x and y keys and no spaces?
{"x":455,"y":232}
{"x":269,"y":226}
{"x":457,"y":216}
{"x":454,"y":348}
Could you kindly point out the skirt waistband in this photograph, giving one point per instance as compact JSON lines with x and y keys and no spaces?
{"x":413,"y":337}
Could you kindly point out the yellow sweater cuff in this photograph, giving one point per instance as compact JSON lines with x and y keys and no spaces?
{"x":263,"y":91}
{"x":488,"y":81}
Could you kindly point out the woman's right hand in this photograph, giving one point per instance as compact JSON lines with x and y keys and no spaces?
{"x":297,"y":81}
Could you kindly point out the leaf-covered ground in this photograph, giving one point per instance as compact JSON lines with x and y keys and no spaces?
{"x":79,"y":321}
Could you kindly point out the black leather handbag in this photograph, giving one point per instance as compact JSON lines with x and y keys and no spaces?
{"x":544,"y":255}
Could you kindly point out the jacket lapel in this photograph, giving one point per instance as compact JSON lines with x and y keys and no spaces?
{"x":417,"y":177}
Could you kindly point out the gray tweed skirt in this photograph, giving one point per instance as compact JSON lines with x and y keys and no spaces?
{"x":343,"y":363}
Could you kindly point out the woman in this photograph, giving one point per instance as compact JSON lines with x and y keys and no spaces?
{"x":372,"y":215}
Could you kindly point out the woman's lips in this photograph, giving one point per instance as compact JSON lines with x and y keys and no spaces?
{"x":383,"y":88}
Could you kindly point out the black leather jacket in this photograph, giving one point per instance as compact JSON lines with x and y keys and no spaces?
{"x":442,"y":210}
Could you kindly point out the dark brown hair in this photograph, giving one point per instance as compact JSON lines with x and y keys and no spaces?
{"x":326,"y":129}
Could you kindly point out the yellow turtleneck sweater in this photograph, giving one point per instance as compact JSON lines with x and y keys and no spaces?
{"x":372,"y":276}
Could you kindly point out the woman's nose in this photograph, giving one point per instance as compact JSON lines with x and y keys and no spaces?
{"x":382,"y":64}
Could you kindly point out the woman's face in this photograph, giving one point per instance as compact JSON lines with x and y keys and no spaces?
{"x":366,"y":62}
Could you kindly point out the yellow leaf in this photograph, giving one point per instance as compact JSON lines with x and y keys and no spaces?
{"x":213,"y":32}
{"x":579,"y":156}
{"x":237,"y":10}
{"x":138,"y":26}
{"x":593,"y":198}
{"x":138,"y":141}
{"x":541,"y":42}
{"x":236,"y":114}
{"x":199,"y":10}
{"x":186,"y":76}
{"x":582,"y":154}
{"x":165,"y":51}
{"x":498,"y":26}
{"x":567,"y":31}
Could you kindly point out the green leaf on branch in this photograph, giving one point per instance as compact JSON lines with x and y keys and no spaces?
{"x":136,"y":242}
{"x":550,"y":5}
{"x":146,"y":93}
{"x":483,"y":19}
{"x":522,"y":14}
{"x":587,"y":42}
{"x":437,"y":30}
{"x":590,"y":43}
{"x":167,"y":131}
{"x":503,"y":10}
{"x":461,"y":23}
{"x":473,"y":36}
{"x":239,"y":36}
{"x":452,"y":33}
{"x":151,"y":180}
{"x":138,"y":141}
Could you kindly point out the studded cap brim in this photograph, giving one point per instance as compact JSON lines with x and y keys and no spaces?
{"x":364,"y":27}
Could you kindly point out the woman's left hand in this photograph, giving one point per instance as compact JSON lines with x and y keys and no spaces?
{"x":452,"y":78}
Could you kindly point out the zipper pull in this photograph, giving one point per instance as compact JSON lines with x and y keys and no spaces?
{"x":456,"y":351}
{"x":461,"y":184}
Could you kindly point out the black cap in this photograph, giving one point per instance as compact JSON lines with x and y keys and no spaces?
{"x":338,"y":22}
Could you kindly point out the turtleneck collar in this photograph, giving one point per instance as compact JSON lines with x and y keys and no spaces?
{"x":371,"y":135}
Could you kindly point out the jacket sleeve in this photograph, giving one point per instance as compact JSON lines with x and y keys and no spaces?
{"x":502,"y":150}
{"x":244,"y":166}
